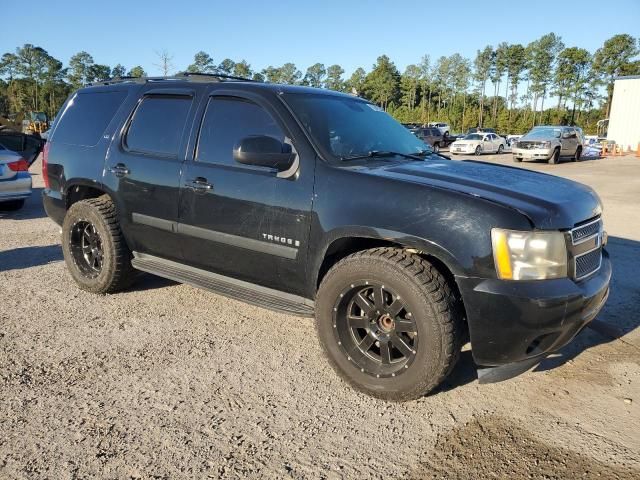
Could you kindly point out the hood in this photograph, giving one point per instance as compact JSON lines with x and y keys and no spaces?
{"x":550,"y":202}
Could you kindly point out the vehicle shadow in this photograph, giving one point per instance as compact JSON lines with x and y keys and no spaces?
{"x":619,"y":316}
{"x":147,"y":281}
{"x":27,"y":257}
{"x":32,"y":209}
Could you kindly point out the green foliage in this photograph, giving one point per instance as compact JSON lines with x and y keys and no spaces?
{"x":118,"y":71}
{"x":202,"y":63}
{"x":381,"y":84}
{"x":137,"y":72}
{"x":226,"y":66}
{"x":356,"y":82}
{"x":315,"y":75}
{"x":242,"y":69}
{"x":452,"y":89}
{"x":334,"y":79}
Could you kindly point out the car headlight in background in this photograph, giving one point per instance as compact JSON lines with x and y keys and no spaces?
{"x":529,"y":255}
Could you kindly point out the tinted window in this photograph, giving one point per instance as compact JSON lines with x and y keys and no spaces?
{"x":158,"y":125}
{"x":226,"y":122}
{"x":87,"y":116}
{"x":348,"y":126}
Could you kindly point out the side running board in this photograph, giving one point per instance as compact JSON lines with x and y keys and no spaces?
{"x":229,"y":287}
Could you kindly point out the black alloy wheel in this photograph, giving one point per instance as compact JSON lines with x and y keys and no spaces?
{"x":86,"y":248}
{"x":375,"y":329}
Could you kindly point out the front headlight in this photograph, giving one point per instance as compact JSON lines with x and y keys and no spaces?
{"x":529,"y":255}
{"x":545,"y":144}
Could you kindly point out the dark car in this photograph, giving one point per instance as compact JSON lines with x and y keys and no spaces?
{"x":431,"y":136}
{"x":318,"y":203}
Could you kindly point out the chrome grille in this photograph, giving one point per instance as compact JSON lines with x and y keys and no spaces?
{"x":528,"y":145}
{"x":586,"y":248}
{"x":584,"y":232}
{"x":588,"y":263}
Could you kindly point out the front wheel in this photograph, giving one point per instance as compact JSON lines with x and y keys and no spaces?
{"x":93,"y":246}
{"x":478,"y":151}
{"x":388,"y":323}
{"x":555,"y":158}
{"x":436,"y":147}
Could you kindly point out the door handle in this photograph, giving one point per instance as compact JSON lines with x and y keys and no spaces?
{"x":120,"y":170}
{"x":199,"y":184}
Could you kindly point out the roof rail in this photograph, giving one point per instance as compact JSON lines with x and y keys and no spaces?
{"x":220,"y":76}
{"x":187,"y":76}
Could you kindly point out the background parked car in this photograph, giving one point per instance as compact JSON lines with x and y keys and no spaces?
{"x":431,"y":136}
{"x":443,"y":127}
{"x":549,"y":143}
{"x":478,"y":143}
{"x":15,"y":179}
{"x":25,"y":145}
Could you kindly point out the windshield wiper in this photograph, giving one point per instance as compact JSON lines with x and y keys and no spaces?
{"x":385,"y":153}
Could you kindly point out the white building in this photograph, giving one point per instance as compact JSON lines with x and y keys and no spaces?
{"x":624,"y":118}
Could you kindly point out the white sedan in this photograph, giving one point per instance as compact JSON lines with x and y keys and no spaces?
{"x":477,"y":144}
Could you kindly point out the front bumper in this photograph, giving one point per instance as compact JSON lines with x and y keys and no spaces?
{"x":467,"y":149}
{"x":515,"y":321}
{"x":17,"y":188}
{"x":532,"y":153}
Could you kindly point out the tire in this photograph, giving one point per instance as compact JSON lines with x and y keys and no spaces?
{"x":12,"y":205}
{"x":436,"y":147}
{"x":446,"y":134}
{"x":500,"y":149}
{"x":555,"y":158}
{"x":115,"y":271}
{"x":429,"y":304}
{"x":478,"y":151}
{"x":578,"y":154}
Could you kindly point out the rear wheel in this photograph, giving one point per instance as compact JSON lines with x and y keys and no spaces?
{"x":389,"y":324}
{"x":500,"y":149}
{"x":94,"y":249}
{"x":555,"y":158}
{"x":578,"y":154}
{"x":478,"y":150}
{"x":436,"y":147}
{"x":12,"y":205}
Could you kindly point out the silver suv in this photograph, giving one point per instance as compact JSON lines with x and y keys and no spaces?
{"x":549,"y":143}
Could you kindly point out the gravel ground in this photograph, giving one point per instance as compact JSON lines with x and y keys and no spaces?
{"x":168,"y":381}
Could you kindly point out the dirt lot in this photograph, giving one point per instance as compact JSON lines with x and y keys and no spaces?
{"x":167,"y":381}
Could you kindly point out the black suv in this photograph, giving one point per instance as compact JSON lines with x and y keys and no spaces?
{"x":318,"y":203}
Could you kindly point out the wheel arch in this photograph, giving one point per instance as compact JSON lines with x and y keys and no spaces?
{"x":341,"y":246}
{"x":82,"y":190}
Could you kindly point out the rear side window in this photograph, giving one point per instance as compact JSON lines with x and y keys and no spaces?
{"x":158,"y":125}
{"x":227,"y":121}
{"x":87,"y":116}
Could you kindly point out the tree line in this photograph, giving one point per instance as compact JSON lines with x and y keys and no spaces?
{"x":504,"y":87}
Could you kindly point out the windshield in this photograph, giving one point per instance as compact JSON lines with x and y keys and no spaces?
{"x":347,"y":127}
{"x":544,"y":133}
{"x":473,"y":136}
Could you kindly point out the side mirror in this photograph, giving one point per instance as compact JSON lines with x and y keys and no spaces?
{"x":263,"y":151}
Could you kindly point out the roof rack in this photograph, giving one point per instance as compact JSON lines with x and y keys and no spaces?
{"x":188,"y":76}
{"x":219,"y":76}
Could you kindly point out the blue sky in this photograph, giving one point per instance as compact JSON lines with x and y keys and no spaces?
{"x":350,"y":33}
